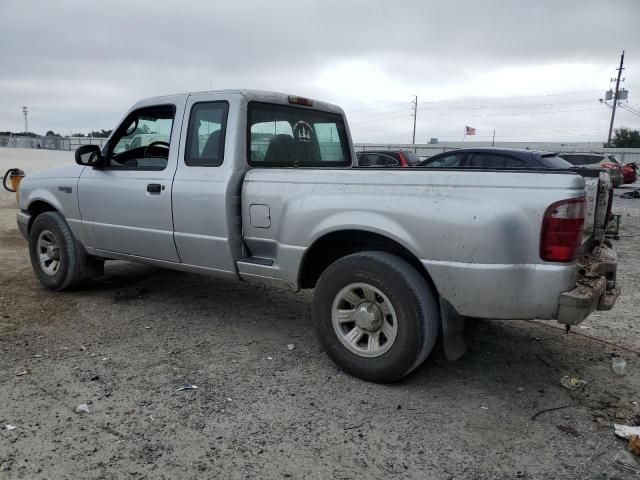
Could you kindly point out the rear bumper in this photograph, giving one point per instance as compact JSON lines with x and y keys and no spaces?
{"x":23,"y":219}
{"x":596,"y":287}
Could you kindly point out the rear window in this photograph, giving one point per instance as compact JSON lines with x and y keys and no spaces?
{"x":286,"y":136}
{"x":553,"y":161}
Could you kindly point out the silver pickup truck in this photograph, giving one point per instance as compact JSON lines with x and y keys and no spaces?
{"x":259,"y":186}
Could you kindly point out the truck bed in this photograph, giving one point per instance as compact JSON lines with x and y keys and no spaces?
{"x":475,"y":232}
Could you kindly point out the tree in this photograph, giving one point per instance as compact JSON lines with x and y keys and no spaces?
{"x":101,"y":134}
{"x":626,"y":138}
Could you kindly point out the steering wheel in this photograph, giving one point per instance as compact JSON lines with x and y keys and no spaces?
{"x":157,"y":143}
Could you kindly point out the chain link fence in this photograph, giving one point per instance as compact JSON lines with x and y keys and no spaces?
{"x":49,"y":143}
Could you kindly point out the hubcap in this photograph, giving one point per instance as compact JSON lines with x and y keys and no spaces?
{"x":48,"y":252}
{"x":364,"y":320}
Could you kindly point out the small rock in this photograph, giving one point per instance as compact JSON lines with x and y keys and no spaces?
{"x":619,"y":365}
{"x":290,"y":346}
{"x":269,"y":358}
{"x":82,"y":408}
{"x":10,"y":427}
{"x":24,"y":372}
{"x":83,"y":348}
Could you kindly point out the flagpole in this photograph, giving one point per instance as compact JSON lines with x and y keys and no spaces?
{"x":464,"y":134}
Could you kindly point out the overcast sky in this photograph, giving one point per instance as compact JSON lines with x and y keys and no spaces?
{"x":80,"y":65}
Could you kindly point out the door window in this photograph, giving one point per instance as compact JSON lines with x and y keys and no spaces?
{"x":487,"y":160}
{"x":376,"y":160}
{"x":510,"y":162}
{"x":286,"y":136}
{"x":451,"y":160}
{"x":205,"y":136}
{"x":142,"y":141}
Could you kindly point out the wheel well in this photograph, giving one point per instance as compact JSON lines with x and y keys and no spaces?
{"x":336,"y":245}
{"x":38,"y":207}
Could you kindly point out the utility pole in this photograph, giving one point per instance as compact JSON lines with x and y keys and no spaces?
{"x":415,"y":117}
{"x":615,"y":98}
{"x":493,"y":140}
{"x":25,"y":112}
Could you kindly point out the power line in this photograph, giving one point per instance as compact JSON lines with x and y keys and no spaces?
{"x":583,"y":92}
{"x":379,"y":108}
{"x":366,"y":115}
{"x":383,"y":107}
{"x":630,"y":110}
{"x":379,"y":119}
{"x":523,"y":105}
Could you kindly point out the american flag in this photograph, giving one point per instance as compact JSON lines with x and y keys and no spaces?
{"x":469,"y":131}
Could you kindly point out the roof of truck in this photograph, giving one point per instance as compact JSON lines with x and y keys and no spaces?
{"x":250,"y":95}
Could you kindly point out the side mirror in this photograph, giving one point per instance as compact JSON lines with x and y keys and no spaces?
{"x":89,"y":156}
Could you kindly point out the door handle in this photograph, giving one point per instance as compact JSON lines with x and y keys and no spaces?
{"x":154,"y":188}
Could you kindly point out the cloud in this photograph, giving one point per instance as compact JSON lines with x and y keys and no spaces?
{"x":80,"y":65}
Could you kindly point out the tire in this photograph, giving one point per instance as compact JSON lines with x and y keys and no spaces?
{"x":72,"y":265}
{"x":389,"y":288}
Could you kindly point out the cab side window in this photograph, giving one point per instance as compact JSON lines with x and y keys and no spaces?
{"x":143,"y":140}
{"x":205,"y":136}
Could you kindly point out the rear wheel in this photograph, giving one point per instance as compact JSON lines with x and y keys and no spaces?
{"x":375,"y":315}
{"x":58,"y":259}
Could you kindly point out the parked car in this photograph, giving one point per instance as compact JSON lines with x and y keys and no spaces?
{"x":394,"y":258}
{"x":492,"y":157}
{"x":386,"y":158}
{"x":629,"y":173}
{"x":597,"y":161}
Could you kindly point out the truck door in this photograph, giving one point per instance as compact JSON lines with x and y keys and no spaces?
{"x":206,"y":186}
{"x":126,"y":205}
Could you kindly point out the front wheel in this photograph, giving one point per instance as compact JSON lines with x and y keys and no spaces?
{"x":375,"y":315}
{"x":58,"y":259}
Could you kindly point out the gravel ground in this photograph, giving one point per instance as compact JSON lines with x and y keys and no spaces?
{"x":124,"y":343}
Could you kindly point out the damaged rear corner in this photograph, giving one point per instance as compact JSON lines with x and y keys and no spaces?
{"x":595,"y":288}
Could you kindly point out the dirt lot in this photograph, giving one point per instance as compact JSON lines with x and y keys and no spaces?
{"x":124,"y":343}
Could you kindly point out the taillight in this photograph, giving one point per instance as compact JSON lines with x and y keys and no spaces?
{"x":612,"y":166}
{"x":562,"y":229}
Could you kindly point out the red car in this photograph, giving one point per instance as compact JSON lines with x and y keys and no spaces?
{"x":387,"y":158}
{"x":630,"y":172}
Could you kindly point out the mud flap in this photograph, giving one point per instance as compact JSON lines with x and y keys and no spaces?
{"x":452,"y":328}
